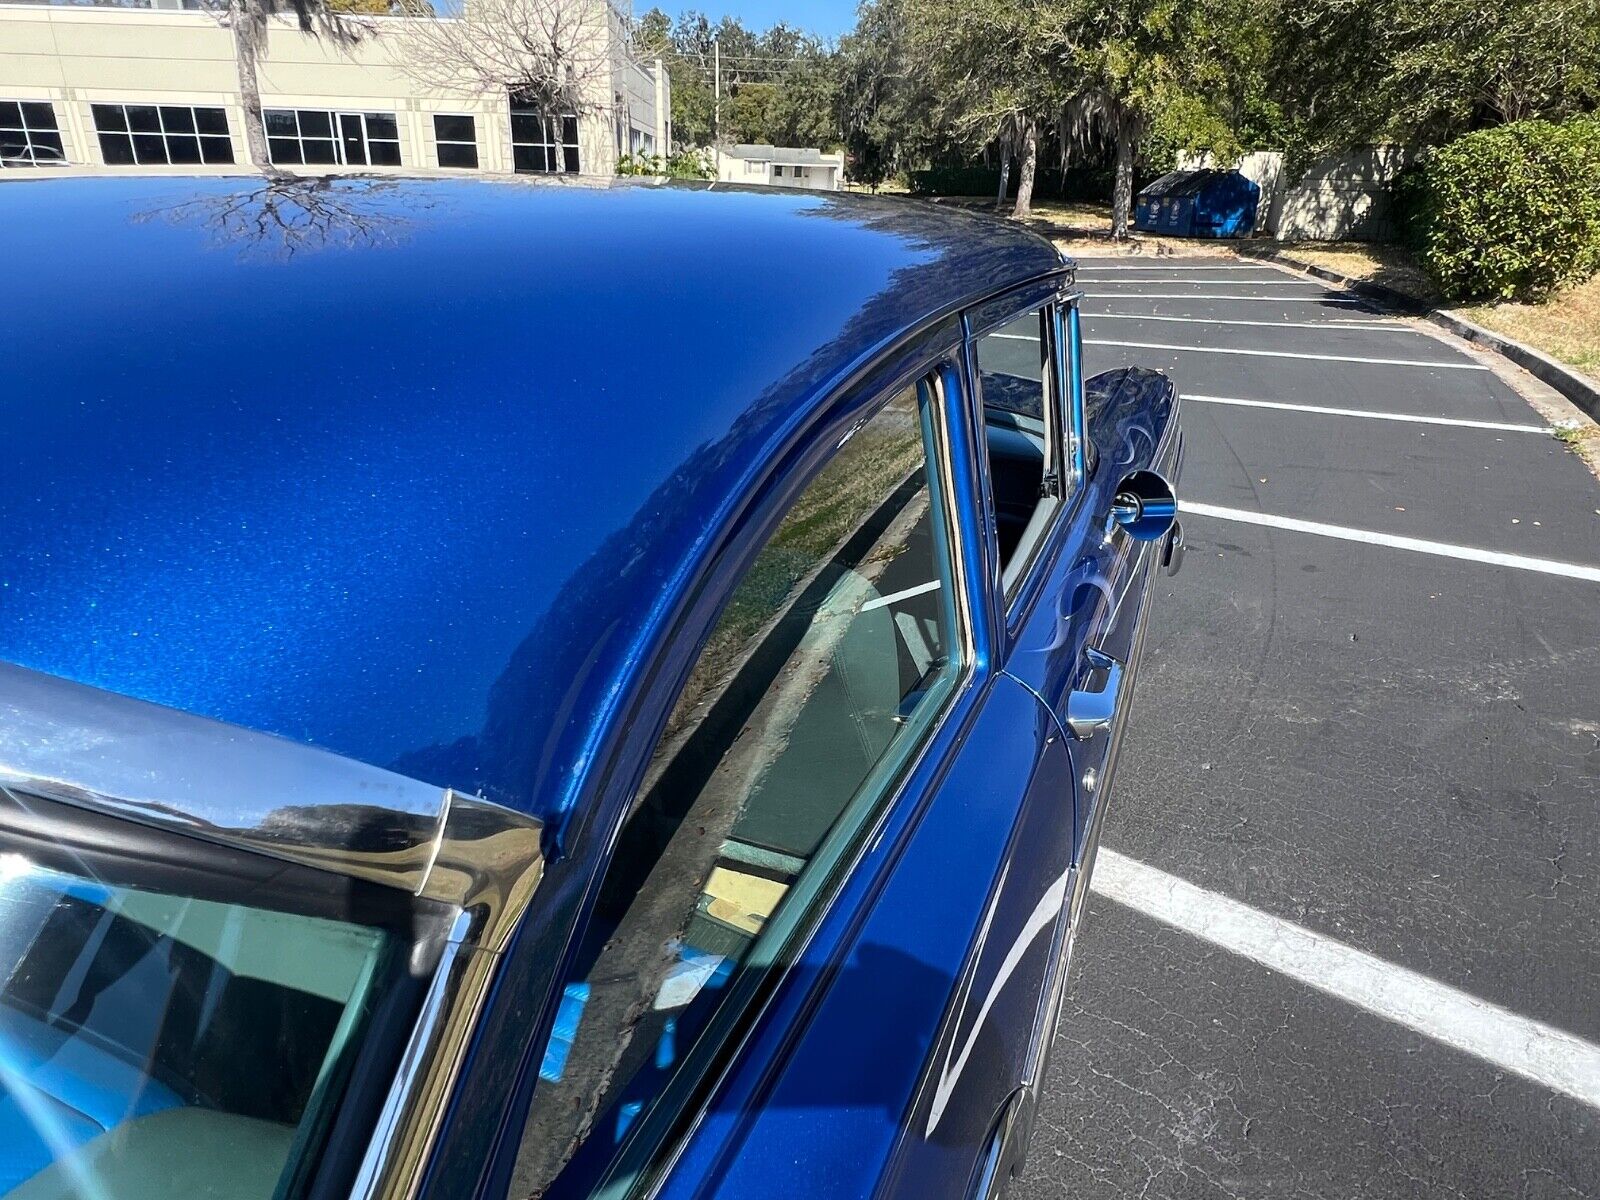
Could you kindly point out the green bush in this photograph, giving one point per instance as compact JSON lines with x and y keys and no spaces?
{"x":1506,"y":213}
{"x":681,"y":164}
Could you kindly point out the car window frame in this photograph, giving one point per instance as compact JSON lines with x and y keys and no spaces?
{"x":652,"y":1145}
{"x":1013,"y":583}
{"x":1080,"y":461}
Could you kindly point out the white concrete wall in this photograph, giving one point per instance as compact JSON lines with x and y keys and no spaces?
{"x":1341,"y":196}
{"x":641,"y":119}
{"x":77,"y":56}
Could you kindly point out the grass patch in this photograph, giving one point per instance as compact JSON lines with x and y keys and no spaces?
{"x":1565,"y":326}
{"x":1583,"y":439}
{"x":1076,"y":215}
{"x":1382,"y":263}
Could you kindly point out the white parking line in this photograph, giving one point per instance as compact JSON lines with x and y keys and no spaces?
{"x":1199,"y":282}
{"x":1329,"y":298}
{"x":1368,"y":413}
{"x":1382,"y":325}
{"x":1172,"y":267}
{"x":1549,"y":1056}
{"x":1383,"y":362}
{"x":1546,"y":566}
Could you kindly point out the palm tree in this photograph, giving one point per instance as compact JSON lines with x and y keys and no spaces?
{"x":248,"y":21}
{"x":1098,"y":115}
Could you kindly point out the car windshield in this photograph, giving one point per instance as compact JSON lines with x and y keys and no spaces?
{"x":157,"y":1044}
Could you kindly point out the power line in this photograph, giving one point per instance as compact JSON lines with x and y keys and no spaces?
{"x":687,"y":56}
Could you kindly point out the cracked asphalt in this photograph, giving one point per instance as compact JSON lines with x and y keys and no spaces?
{"x":1397,"y":750}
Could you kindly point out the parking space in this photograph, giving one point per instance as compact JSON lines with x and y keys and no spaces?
{"x":1363,"y":775}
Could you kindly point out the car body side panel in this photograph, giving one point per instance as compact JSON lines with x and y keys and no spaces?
{"x":1094,"y":590}
{"x":941,"y":959}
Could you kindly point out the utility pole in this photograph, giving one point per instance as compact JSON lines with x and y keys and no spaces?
{"x":716,"y":109}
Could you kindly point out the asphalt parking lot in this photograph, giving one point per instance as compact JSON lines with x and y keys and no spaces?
{"x":1345,"y":943}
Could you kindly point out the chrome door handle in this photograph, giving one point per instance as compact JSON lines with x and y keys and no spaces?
{"x":1090,"y":712}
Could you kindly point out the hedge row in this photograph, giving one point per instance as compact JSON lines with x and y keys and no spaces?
{"x":1507,"y":213}
{"x":1076,"y":183}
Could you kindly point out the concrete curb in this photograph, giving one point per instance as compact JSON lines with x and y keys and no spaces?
{"x":1582,"y":391}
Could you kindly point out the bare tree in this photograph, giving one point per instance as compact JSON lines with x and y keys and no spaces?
{"x":284,"y":215}
{"x":248,"y":20}
{"x":547,"y":55}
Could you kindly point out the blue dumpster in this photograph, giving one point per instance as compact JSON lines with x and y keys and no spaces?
{"x":1210,"y":204}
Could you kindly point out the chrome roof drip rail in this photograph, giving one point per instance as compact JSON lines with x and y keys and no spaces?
{"x":193,"y":776}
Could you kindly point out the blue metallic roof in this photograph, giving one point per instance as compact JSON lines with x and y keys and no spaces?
{"x":400,"y":467}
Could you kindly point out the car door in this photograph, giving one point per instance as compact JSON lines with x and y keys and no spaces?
{"x":969,"y":1121}
{"x":831,"y":689}
{"x":1027,"y":421}
{"x":891,"y":1085}
{"x":1076,"y":629}
{"x":1070,"y":576}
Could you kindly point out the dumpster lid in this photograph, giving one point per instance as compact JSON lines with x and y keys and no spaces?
{"x":1187,"y":183}
{"x":1176,"y":183}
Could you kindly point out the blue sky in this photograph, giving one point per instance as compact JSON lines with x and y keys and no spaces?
{"x":826,"y":18}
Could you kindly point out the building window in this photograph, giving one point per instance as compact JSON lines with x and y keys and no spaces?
{"x":159,"y":134}
{"x":29,"y":136}
{"x":318,"y":137}
{"x":457,"y":138}
{"x":534,"y":144}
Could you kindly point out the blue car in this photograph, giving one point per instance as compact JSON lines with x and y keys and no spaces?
{"x":521,"y":690}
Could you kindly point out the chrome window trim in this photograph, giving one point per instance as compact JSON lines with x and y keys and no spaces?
{"x":489,"y":864}
{"x":1059,"y":496}
{"x":1069,"y":366}
{"x":143,"y":762}
{"x":201,"y":778}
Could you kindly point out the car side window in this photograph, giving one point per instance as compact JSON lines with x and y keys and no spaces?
{"x":1019,"y":378}
{"x":828,"y":666}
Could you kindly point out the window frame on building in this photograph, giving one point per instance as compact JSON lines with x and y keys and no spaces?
{"x":337,"y":138}
{"x":127,"y":146}
{"x":456,"y":143}
{"x":567,"y":152}
{"x":26,"y":131}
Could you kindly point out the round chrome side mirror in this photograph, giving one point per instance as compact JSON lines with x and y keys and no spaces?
{"x":1145,"y":506}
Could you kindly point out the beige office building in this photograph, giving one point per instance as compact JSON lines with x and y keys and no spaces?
{"x":140,"y":89}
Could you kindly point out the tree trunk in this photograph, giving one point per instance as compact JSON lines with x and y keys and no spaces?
{"x":1122,"y":190}
{"x":1030,"y":163}
{"x":249,"y":34}
{"x":1005,"y":174}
